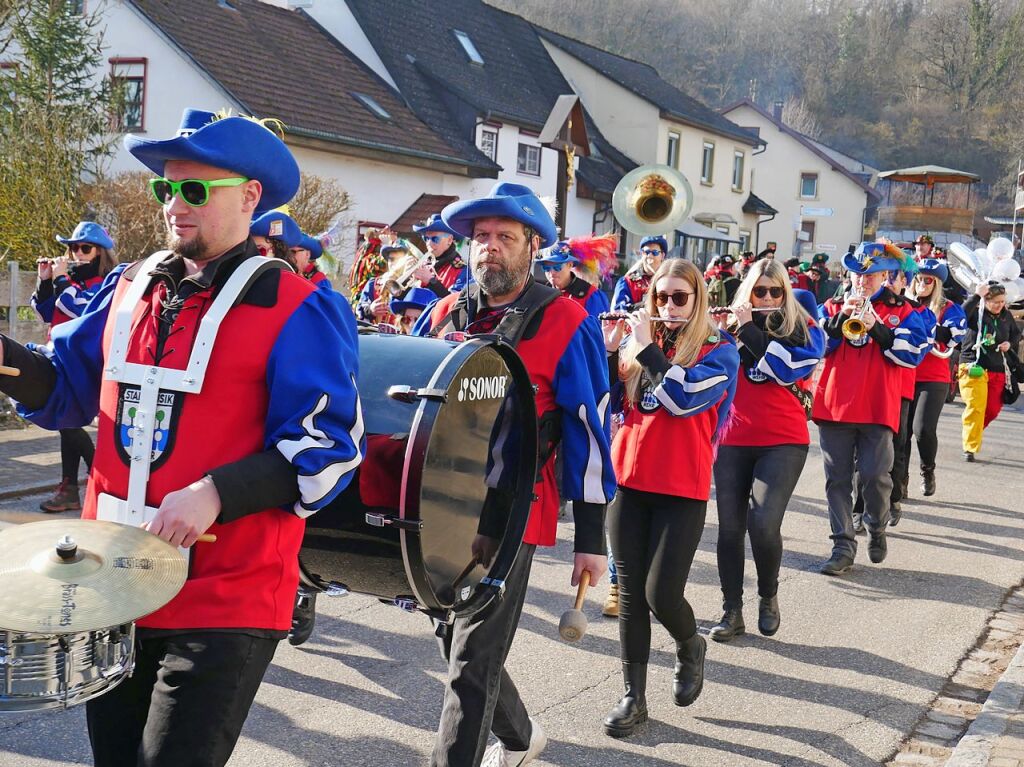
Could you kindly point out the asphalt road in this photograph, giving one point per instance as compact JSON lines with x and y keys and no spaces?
{"x":854,"y":665}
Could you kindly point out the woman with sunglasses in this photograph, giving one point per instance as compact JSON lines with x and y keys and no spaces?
{"x":673,"y":382}
{"x":65,"y":286}
{"x":632,"y":286}
{"x":933,"y":374}
{"x":764,"y":448}
{"x":982,"y":369}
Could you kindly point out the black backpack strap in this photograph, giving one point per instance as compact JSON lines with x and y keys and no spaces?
{"x":459,"y":317}
{"x":531,"y":304}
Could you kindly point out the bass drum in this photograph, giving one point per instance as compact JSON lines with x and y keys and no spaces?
{"x":450,"y":465}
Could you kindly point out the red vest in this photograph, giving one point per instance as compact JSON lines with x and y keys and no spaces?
{"x":248,"y":577}
{"x":935,"y":369}
{"x":857,"y":383}
{"x":764,"y":413}
{"x":541,"y":354}
{"x":661,"y":453}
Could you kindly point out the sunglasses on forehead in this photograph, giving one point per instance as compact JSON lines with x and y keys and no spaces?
{"x":194,"y":191}
{"x":679,"y":298}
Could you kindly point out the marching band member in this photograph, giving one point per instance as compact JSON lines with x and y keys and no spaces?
{"x":632,"y":287}
{"x":305,"y":255}
{"x":722,"y":282}
{"x":675,"y":380}
{"x":368,"y":263}
{"x":933,"y":374}
{"x":982,"y":365}
{"x":576,"y":267}
{"x":857,"y":400}
{"x":374,"y":299}
{"x":275,"y":233}
{"x":65,"y":286}
{"x":245,"y":456}
{"x":563,"y":354}
{"x":764,"y":445}
{"x":451,"y":271}
{"x":410,"y":308}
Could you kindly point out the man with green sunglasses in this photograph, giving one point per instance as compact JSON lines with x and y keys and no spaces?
{"x":238,"y":432}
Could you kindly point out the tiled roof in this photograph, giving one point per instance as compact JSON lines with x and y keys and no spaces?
{"x":420,"y":211}
{"x":281,"y":63}
{"x":517,"y":83}
{"x":646,"y":83}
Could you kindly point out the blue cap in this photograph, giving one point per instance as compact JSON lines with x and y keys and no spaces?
{"x":871,"y":257}
{"x":505,"y":200}
{"x":806,"y":299}
{"x":434,"y":224}
{"x":655,"y":239}
{"x":559,"y":253}
{"x":277,"y":226}
{"x":933,"y":267}
{"x":417,"y":298}
{"x":235,"y":144}
{"x":313,"y":245}
{"x":89,"y":231}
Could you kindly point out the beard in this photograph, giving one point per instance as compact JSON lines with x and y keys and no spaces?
{"x":194,"y":249}
{"x":508,"y":279}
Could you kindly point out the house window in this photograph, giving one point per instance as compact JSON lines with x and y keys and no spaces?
{"x":489,"y":142}
{"x":672,"y":155}
{"x":76,"y":7}
{"x":721,"y":246}
{"x":468,"y":47}
{"x":529,"y":160}
{"x":809,"y":186}
{"x":744,"y":240}
{"x":806,"y":236}
{"x":707,"y":163}
{"x":129,"y":78}
{"x":372,"y":106}
{"x":738,"y":159}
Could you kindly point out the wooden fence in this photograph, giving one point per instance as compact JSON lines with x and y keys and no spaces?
{"x":16,"y":287}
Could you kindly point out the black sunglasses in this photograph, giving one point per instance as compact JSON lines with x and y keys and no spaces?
{"x":679,"y":298}
{"x":774,"y":291}
{"x":81,"y":247}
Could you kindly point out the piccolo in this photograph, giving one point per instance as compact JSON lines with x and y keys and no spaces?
{"x":614,"y":316}
{"x":731,"y":310}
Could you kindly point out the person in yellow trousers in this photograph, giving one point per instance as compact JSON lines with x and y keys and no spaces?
{"x":982,"y":368}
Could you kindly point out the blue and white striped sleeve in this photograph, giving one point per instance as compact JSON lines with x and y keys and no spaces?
{"x":73,"y":300}
{"x":912,"y":339}
{"x":621,"y":297}
{"x":581,"y":391}
{"x":688,"y":391}
{"x":314,"y":417}
{"x":787,"y":363}
{"x":955,"y":319}
{"x":44,"y":306}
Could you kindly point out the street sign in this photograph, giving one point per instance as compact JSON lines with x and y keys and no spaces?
{"x":807,"y":210}
{"x":825,"y":246}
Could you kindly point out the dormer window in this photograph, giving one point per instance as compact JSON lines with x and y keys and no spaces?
{"x":468,"y":47}
{"x":372,"y":106}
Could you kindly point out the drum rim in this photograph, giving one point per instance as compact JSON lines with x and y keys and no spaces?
{"x":412,"y":475}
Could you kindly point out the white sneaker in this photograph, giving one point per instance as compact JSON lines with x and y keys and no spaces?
{"x":497,"y":755}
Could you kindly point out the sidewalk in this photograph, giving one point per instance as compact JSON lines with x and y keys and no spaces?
{"x":30,"y":460}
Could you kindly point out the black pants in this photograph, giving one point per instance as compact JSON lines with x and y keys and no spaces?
{"x":75,"y":446}
{"x":753,"y":487}
{"x":900,"y":461}
{"x":654,"y":539}
{"x":480,"y":696}
{"x":929,"y":397}
{"x":185,"y":704}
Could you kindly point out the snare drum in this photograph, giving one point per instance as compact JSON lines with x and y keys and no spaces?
{"x":40,"y":671}
{"x":451,"y":454}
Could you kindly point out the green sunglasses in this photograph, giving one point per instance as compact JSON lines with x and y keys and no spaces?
{"x":193,"y":191}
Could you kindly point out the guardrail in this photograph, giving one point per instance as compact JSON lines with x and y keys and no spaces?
{"x":16,"y":288}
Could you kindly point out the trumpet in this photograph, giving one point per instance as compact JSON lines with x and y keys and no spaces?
{"x":854,"y":328}
{"x":398,"y":286}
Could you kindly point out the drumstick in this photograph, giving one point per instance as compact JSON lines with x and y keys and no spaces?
{"x":206,"y":538}
{"x":573,"y":623}
{"x":7,"y":370}
{"x":465,"y":573}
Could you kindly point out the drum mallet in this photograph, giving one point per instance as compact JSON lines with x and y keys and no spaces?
{"x":7,"y":370}
{"x":573,"y":624}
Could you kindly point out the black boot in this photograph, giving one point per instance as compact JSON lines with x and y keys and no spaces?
{"x":303,"y":616}
{"x":731,"y":624}
{"x":905,"y":486}
{"x":768,"y":617}
{"x":631,"y":710}
{"x":928,"y":480}
{"x":689,"y":677}
{"x":895,"y":514}
{"x":877,"y":548}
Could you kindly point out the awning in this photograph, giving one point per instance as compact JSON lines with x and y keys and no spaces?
{"x":420,"y":211}
{"x":695,"y":231}
{"x":756,"y":205}
{"x":929,"y":175}
{"x":715,"y":218}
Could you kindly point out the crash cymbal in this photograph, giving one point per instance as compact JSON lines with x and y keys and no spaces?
{"x":62,"y":576}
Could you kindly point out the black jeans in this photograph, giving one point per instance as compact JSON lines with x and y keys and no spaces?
{"x":929,"y":397}
{"x":900,"y":461}
{"x":654,"y":538}
{"x":480,"y":696}
{"x":185,"y":704}
{"x":75,"y":446}
{"x":753,"y":486}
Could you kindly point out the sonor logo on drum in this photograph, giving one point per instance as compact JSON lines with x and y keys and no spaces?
{"x":67,"y":603}
{"x":483,"y":387}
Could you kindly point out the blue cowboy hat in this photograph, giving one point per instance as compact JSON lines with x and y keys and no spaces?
{"x":505,"y":200}
{"x":434,"y":224}
{"x":88,"y":231}
{"x":402,"y":245}
{"x":559,"y":253}
{"x":806,"y":299}
{"x":870,"y":257}
{"x":933,"y":267}
{"x":235,"y":144}
{"x":313,"y":245}
{"x":276,"y":225}
{"x":417,"y":298}
{"x":655,"y":239}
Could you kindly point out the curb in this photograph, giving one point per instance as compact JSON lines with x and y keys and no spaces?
{"x":19,"y":490}
{"x":975,"y":748}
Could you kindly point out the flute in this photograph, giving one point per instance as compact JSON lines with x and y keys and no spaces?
{"x":614,"y":316}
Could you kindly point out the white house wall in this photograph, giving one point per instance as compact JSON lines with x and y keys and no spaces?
{"x":776,"y":180}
